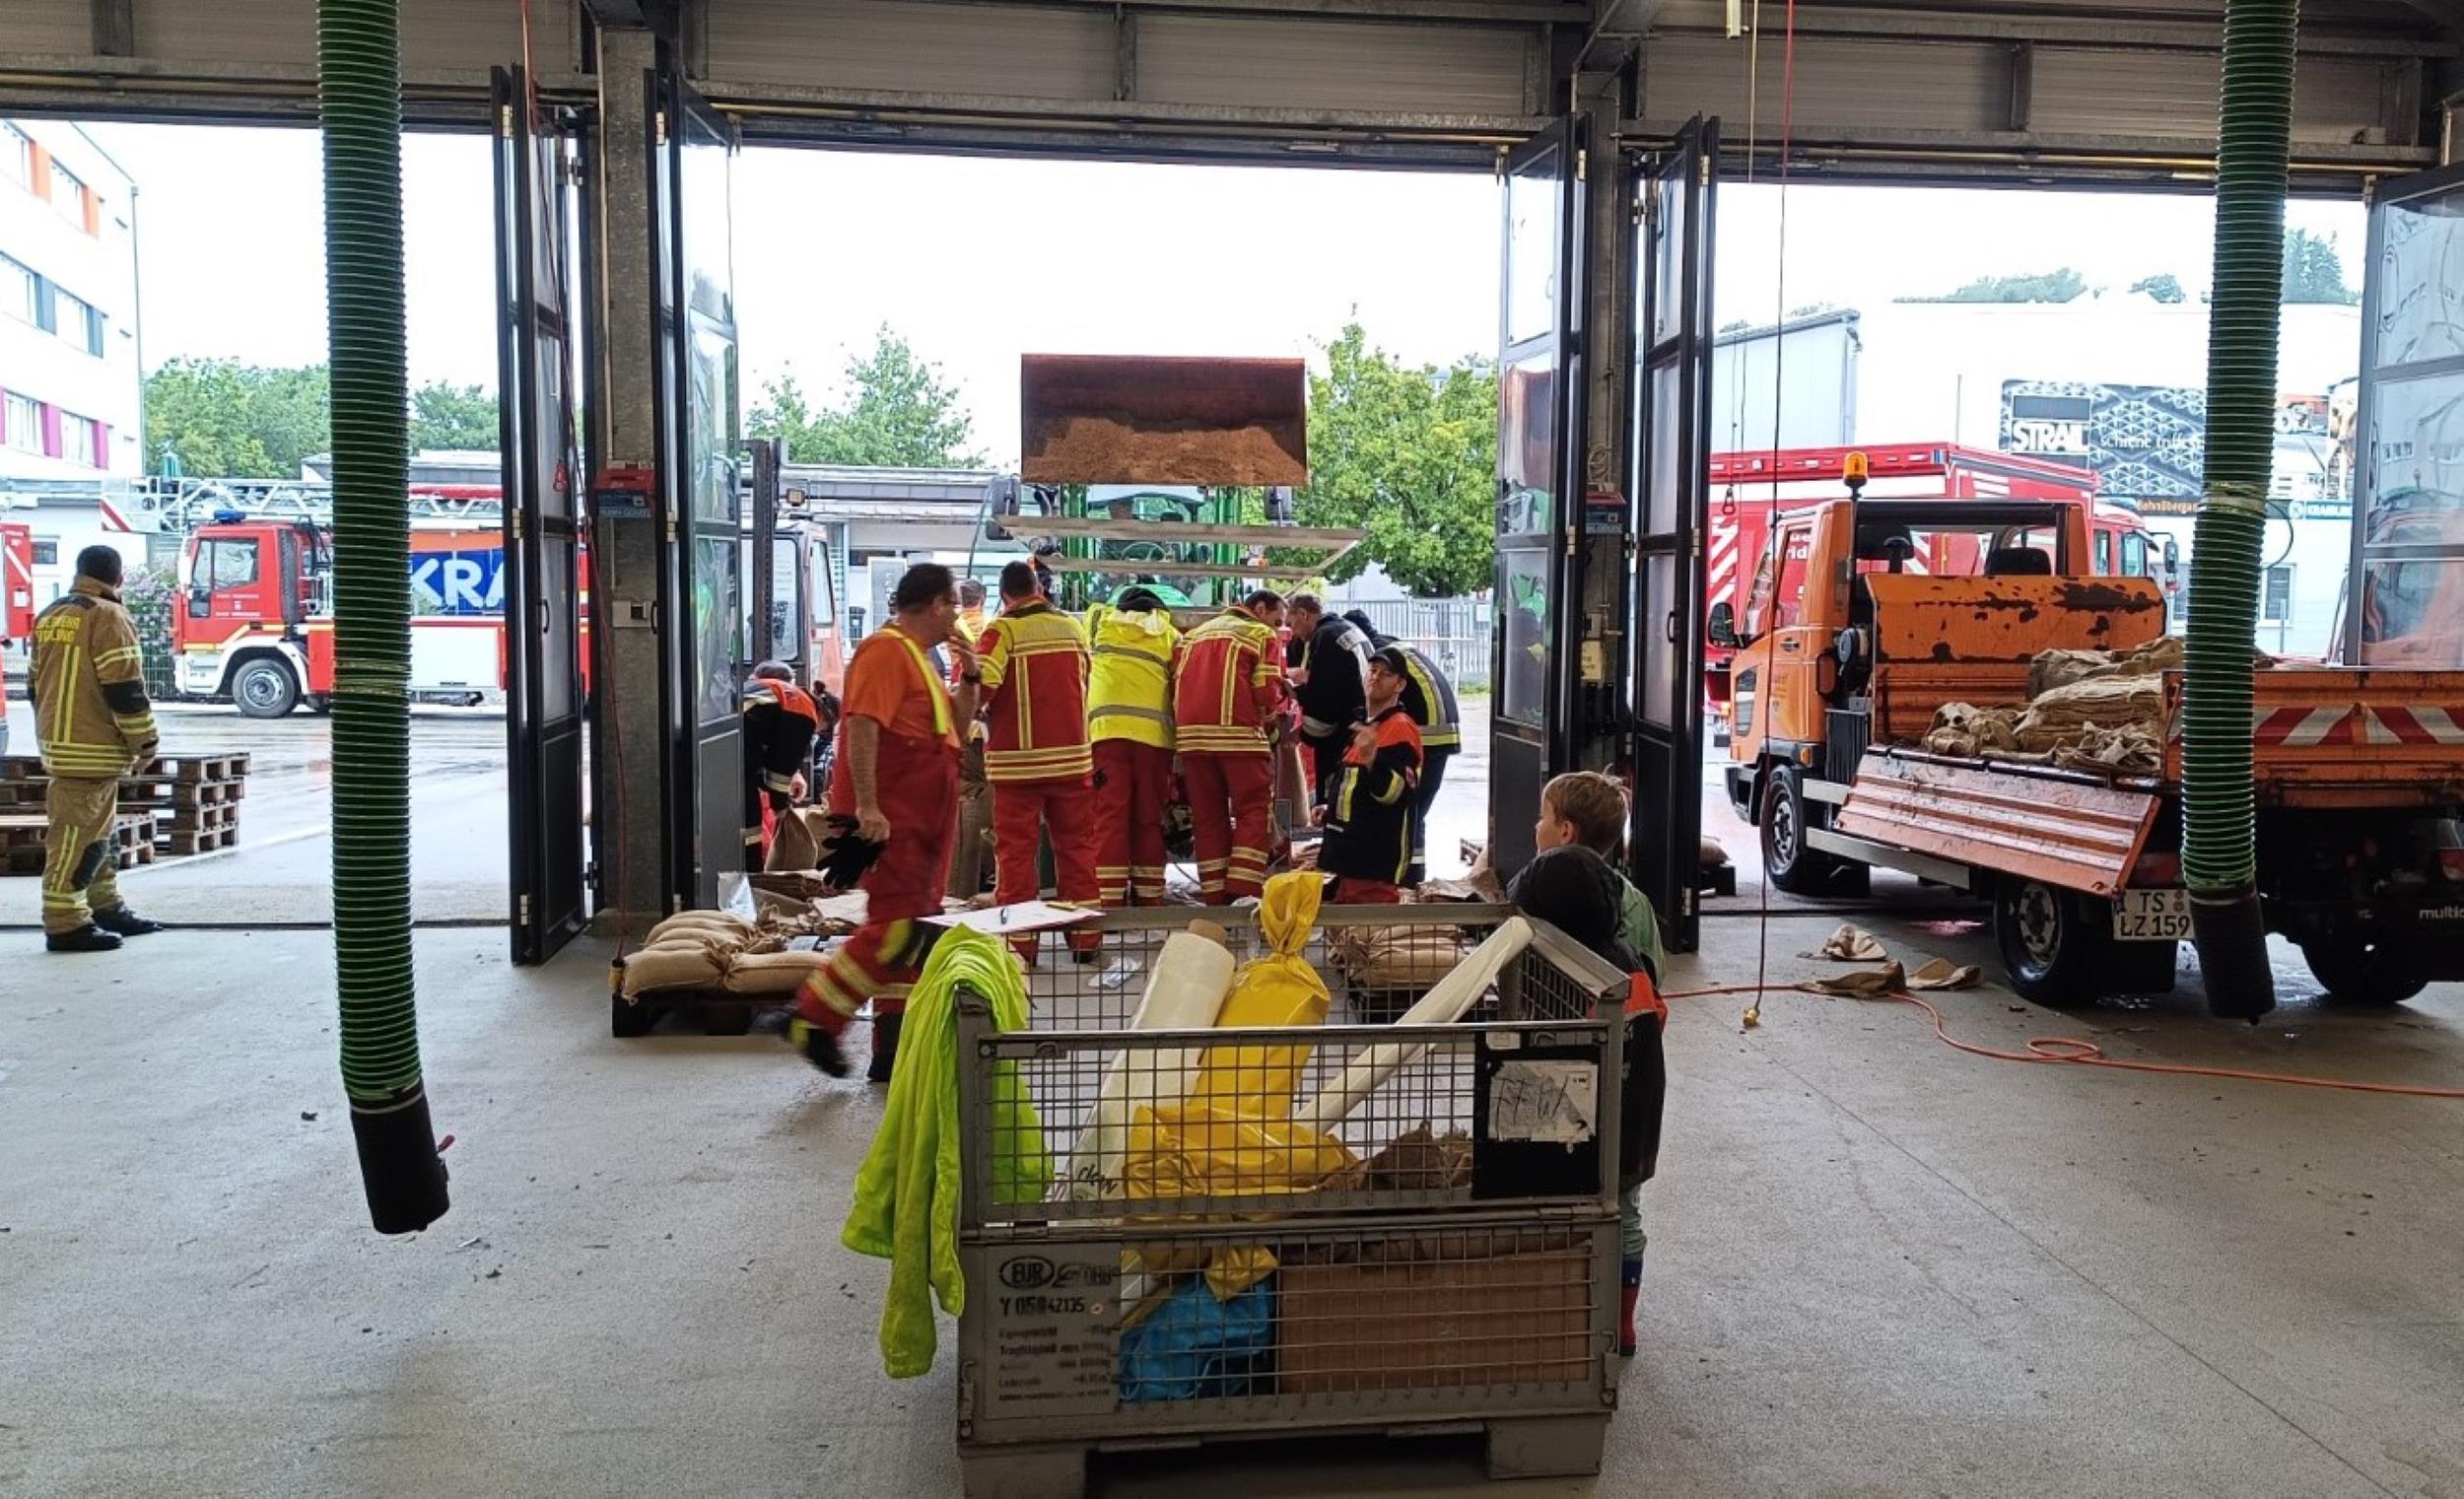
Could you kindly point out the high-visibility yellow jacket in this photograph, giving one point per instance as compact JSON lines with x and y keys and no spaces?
{"x":92,"y":719}
{"x":1129,"y":694}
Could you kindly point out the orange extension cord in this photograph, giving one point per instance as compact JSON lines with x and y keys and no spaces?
{"x":2084,"y":1053}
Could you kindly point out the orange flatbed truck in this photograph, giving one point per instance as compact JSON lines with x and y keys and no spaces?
{"x":2359,"y":770}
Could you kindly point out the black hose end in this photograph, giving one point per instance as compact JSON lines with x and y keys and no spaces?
{"x":2231,"y":936}
{"x":399,"y":1164}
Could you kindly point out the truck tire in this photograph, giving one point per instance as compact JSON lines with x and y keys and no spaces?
{"x":264,"y":688}
{"x":2052,"y":947}
{"x":1790,"y":864}
{"x":2364,"y":970}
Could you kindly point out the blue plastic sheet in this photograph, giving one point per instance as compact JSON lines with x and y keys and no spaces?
{"x":1195,"y":1346}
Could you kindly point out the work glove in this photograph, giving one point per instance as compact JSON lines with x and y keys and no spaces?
{"x":846,"y":854}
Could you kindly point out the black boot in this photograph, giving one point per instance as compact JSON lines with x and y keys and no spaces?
{"x":86,"y":938}
{"x":884,"y":1047}
{"x":125,"y":922}
{"x":818,"y":1046}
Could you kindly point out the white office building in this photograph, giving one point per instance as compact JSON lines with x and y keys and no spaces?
{"x":71,"y":389}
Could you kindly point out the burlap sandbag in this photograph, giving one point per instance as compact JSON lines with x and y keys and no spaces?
{"x":677,"y":963}
{"x":771,"y":973}
{"x":2052,"y":669}
{"x":797,"y":842}
{"x":710,"y":925}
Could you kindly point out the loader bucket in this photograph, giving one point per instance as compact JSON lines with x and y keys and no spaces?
{"x":1105,"y":419}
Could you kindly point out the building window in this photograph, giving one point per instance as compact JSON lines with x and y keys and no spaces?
{"x":17,"y":156}
{"x":21,"y":423}
{"x":77,"y":440}
{"x":68,"y":195}
{"x":17,"y":291}
{"x":2277,"y":606}
{"x":46,"y":551}
{"x":76,"y":321}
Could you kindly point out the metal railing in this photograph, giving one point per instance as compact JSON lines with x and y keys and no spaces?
{"x":1454,"y":633}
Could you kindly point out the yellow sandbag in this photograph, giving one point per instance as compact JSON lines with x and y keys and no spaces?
{"x":1279,"y":989}
{"x":1200,"y":1150}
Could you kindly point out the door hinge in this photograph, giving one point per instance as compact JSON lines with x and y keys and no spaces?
{"x":524,"y":912}
{"x":1582,"y":162}
{"x":1706,"y":168}
{"x":505,"y":122}
{"x":658,"y":128}
{"x":514,"y":520}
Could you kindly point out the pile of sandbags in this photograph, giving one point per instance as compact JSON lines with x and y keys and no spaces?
{"x":2087,"y":709}
{"x":706,"y":950}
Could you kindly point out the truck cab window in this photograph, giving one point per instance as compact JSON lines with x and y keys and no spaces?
{"x":228,"y":563}
{"x":2135,"y":556}
{"x":2104,"y":554}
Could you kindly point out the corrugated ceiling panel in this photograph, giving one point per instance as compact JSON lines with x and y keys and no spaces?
{"x":1303,"y":64}
{"x":1041,"y":53}
{"x":462,"y":37}
{"x":1868,"y":86}
{"x":281,"y":32}
{"x":62,"y":27}
{"x":2334,"y":98}
{"x":2079,"y":92}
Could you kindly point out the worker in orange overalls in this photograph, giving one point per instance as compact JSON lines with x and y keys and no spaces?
{"x":1128,"y":716}
{"x":1224,"y":700}
{"x":896,"y":777}
{"x":1037,"y":756}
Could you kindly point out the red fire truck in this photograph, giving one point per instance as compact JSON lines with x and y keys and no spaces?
{"x":1749,"y":488}
{"x":254,"y":620}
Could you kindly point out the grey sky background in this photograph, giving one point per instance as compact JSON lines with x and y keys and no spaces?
{"x":978,"y":260}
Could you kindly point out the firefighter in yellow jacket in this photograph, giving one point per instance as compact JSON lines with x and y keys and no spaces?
{"x":94,"y":726}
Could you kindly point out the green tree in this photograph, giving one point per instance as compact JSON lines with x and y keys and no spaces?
{"x":2043,"y":286}
{"x":2313,"y":271}
{"x":2165,"y":288}
{"x":453,"y":415}
{"x":233,"y":419}
{"x":1409,"y":452}
{"x":900,"y":413}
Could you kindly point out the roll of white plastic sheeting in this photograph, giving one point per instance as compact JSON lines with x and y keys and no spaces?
{"x":1447,"y":1001}
{"x":1185,"y":990}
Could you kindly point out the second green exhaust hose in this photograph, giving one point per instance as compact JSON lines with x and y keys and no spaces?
{"x":359,"y":103}
{"x":2220,"y":806}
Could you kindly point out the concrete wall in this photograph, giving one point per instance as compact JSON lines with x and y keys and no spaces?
{"x":68,"y":245}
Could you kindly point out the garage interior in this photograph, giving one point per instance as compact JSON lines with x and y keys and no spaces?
{"x":1877,"y":1266}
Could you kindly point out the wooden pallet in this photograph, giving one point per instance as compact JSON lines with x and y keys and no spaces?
{"x":184,"y":843}
{"x":23,"y":839}
{"x":191,"y":819}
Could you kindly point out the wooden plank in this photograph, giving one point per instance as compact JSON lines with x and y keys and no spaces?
{"x":1105,"y":528}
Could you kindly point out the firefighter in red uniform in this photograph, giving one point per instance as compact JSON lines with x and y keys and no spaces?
{"x":1224,"y":700}
{"x":896,"y":775}
{"x":1037,"y":756}
{"x":781,"y":721}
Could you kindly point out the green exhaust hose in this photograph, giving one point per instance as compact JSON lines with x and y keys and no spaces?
{"x":358,"y":102}
{"x":2220,"y":846}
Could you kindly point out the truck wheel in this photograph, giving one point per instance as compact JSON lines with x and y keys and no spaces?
{"x":2051,"y":946}
{"x":265,"y":689}
{"x":1790,"y":864}
{"x":2359,"y":970}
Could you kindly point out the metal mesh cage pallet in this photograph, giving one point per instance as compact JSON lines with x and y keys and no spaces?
{"x":1181,"y":1236}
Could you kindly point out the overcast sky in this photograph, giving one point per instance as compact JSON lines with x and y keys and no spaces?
{"x":977,"y":261}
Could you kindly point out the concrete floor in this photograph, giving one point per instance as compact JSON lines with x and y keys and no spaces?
{"x":1878,"y":1266}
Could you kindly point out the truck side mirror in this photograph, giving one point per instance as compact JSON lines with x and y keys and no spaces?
{"x":2172,"y":555}
{"x":200,"y":601}
{"x":1724,"y":626}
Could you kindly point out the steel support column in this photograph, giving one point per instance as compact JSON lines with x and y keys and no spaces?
{"x":625,"y":602}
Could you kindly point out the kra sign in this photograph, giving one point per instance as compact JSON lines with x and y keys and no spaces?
{"x":458,"y":582}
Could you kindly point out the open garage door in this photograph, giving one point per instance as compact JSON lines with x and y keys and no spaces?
{"x":1539,"y":478}
{"x":543,"y":690}
{"x":1671,"y":491}
{"x":2405,"y":600}
{"x":703,"y":627}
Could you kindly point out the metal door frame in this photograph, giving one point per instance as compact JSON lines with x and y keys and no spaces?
{"x":1562,"y":540}
{"x":697,"y":854}
{"x":547,"y":835}
{"x":1664,"y":835}
{"x":2446,"y":182}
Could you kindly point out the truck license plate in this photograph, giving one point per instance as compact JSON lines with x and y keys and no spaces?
{"x":2151,"y":916}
